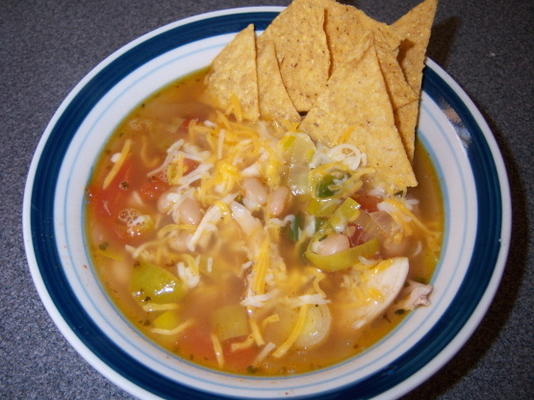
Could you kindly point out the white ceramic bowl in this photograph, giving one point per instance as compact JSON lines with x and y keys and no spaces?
{"x":477,"y":229}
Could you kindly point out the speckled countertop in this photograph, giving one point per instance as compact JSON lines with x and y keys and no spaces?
{"x":46,"y":47}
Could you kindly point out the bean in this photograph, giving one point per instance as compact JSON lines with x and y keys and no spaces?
{"x":190,"y":211}
{"x":332,"y":244}
{"x":278,"y":199}
{"x":255,"y":193}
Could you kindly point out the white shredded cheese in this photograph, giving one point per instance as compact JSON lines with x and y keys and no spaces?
{"x":209,"y":265}
{"x":198,"y":173}
{"x":257,"y":300}
{"x":282,"y":222}
{"x":213,"y":215}
{"x":220,"y":144}
{"x":115,"y":157}
{"x":187,"y":275}
{"x":267,"y":349}
{"x":311,"y":299}
{"x":172,"y":153}
{"x":348,"y":154}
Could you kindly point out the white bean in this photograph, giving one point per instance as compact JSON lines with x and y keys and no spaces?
{"x":333,"y":243}
{"x":167,"y":201}
{"x":278,"y":200}
{"x":179,"y":241}
{"x":255,"y":193}
{"x":190,"y":211}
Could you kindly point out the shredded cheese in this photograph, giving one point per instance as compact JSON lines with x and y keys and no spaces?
{"x":180,"y":328}
{"x":118,"y":164}
{"x":295,"y":332}
{"x":256,"y":334}
{"x":151,"y":307}
{"x":260,"y":266}
{"x":217,"y":349}
{"x":270,"y":319}
{"x":245,"y":344}
{"x":264,"y":353}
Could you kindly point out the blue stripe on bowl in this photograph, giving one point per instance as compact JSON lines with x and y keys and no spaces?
{"x":42,"y":215}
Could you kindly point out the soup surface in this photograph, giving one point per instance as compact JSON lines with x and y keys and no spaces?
{"x":249,"y":248}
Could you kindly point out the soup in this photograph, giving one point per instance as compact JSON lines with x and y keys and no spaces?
{"x":249,"y":247}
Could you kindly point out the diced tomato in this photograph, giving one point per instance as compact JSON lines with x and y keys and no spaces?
{"x":367,"y":201}
{"x":195,"y":342}
{"x":184,"y":126}
{"x":152,"y":188}
{"x":357,"y":237}
{"x":189,"y":165}
{"x":239,"y":359}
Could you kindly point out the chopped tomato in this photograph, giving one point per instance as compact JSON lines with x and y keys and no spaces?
{"x":152,"y":189}
{"x":109,"y":202}
{"x":195,"y":344}
{"x":189,"y":165}
{"x":367,"y":201}
{"x":184,"y":126}
{"x":239,"y":359}
{"x":358,"y":235}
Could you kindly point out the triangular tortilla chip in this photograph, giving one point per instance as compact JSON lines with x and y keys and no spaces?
{"x":357,"y":99}
{"x":346,"y":28}
{"x":233,"y":74}
{"x":275,"y":103}
{"x":414,"y":27}
{"x":301,"y":49}
{"x":406,"y":121}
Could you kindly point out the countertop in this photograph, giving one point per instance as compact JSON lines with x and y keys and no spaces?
{"x":46,"y":47}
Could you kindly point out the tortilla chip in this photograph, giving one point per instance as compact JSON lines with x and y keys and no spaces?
{"x":406,"y":121}
{"x":357,"y":99}
{"x":414,"y":27}
{"x":301,"y":49}
{"x":344,"y":31}
{"x":233,"y":75}
{"x":347,"y":26}
{"x":275,"y":103}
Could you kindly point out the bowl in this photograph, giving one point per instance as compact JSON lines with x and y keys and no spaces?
{"x":476,"y":238}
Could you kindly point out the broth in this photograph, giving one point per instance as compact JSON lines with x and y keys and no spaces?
{"x":130,"y":237}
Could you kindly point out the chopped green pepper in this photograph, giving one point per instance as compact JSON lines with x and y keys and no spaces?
{"x":347,"y":212}
{"x":293,"y":231}
{"x":322,"y":207}
{"x":342,"y":259}
{"x":323,"y":188}
{"x":154,"y":282}
{"x":167,"y":320}
{"x":230,"y":321}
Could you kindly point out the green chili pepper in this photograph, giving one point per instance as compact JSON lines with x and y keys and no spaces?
{"x":342,"y":259}
{"x":293,"y":231}
{"x":347,"y":212}
{"x":154,"y":282}
{"x":323,"y":188}
{"x":322,"y":207}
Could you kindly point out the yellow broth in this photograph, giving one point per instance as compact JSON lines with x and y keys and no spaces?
{"x":152,"y":127}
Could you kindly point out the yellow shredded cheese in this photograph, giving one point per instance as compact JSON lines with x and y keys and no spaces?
{"x":270,"y":319}
{"x":117,"y":166}
{"x":245,"y":344}
{"x":295,"y":332}
{"x":180,"y":328}
{"x":260,"y":266}
{"x":217,"y":349}
{"x":151,"y":307}
{"x":256,"y":334}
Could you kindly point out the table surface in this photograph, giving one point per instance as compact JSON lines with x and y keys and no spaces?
{"x":47,"y":47}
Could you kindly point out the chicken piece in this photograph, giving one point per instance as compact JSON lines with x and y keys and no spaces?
{"x":374,"y":292}
{"x":413,"y":295}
